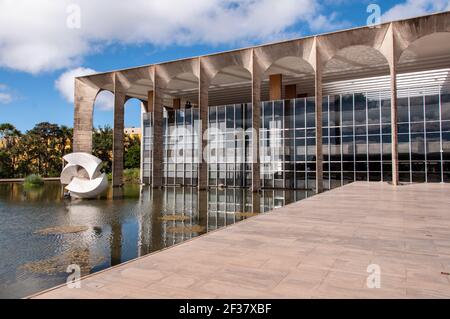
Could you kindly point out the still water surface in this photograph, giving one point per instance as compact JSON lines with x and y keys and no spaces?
{"x":131,"y":222}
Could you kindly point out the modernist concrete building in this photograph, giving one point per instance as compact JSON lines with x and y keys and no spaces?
{"x":317,"y":111}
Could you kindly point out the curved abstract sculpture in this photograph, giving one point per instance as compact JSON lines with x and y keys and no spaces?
{"x":82,"y":175}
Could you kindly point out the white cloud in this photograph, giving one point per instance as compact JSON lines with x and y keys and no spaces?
{"x":327,"y":23}
{"x":412,"y":8}
{"x":34,"y":36}
{"x":65,"y":85}
{"x":6,"y":96}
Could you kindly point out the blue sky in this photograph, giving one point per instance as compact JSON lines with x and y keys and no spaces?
{"x":35,"y":51}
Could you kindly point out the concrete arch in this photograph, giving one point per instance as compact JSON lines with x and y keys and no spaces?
{"x":356,"y":57}
{"x":329,"y":45}
{"x":181,"y":80}
{"x":166,"y":73}
{"x":408,"y":31}
{"x":212,"y":65}
{"x":266,"y":56}
{"x":87,"y":91}
{"x":424,"y":48}
{"x":297,"y":65}
{"x":293,"y":73}
{"x":136,"y":82}
{"x":239,"y":81}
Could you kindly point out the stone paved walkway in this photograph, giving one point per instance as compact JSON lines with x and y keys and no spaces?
{"x":316,"y":248}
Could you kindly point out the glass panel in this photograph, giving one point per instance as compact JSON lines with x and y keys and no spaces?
{"x":360,"y":109}
{"x":347,"y":110}
{"x":403,"y":116}
{"x":416,"y":109}
{"x":445,"y":106}
{"x":432,"y":108}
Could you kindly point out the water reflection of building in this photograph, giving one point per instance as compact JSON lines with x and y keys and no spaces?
{"x":176,"y":214}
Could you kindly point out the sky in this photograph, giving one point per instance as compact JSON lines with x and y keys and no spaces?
{"x":44,"y":44}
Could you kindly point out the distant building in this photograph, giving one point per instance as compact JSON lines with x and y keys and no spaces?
{"x":132,"y":131}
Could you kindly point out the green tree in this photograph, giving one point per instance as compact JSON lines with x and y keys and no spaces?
{"x":40,"y":150}
{"x":9,"y":139}
{"x":47,"y":139}
{"x":102,"y":143}
{"x":132,"y":157}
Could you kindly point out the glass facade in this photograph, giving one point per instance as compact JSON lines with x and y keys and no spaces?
{"x":356,"y":138}
{"x":287,"y":144}
{"x":356,"y":141}
{"x":229,"y":145}
{"x":147,"y":146}
{"x":424,"y":136}
{"x":181,"y":145}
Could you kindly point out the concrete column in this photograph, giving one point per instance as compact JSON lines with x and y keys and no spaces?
{"x":256,"y":122}
{"x":318,"y":95}
{"x":290,"y":91}
{"x":83,"y":116}
{"x":118,"y":147}
{"x":157,"y":160}
{"x":256,"y":203}
{"x":275,"y":86}
{"x":203,"y":102}
{"x":394,"y":115}
{"x":150,"y":101}
{"x":144,"y":109}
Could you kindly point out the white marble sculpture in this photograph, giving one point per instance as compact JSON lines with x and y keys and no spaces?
{"x":82,"y":175}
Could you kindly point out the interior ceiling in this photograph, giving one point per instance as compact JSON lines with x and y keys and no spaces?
{"x":233,"y":84}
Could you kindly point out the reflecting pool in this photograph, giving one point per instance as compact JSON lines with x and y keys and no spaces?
{"x":41,"y":233}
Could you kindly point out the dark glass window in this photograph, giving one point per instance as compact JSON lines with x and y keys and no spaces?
{"x":230,"y":116}
{"x":334,"y":110}
{"x":239,"y":116}
{"x":300,"y":113}
{"x":310,"y":112}
{"x":416,"y":109}
{"x":373,"y":111}
{"x":402,"y":105}
{"x":386,"y":111}
{"x":445,"y":106}
{"x":432,"y":108}
{"x":347,"y":110}
{"x":221,"y":114}
{"x":417,"y":147}
{"x":360,"y":109}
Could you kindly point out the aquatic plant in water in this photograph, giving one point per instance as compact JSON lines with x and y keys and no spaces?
{"x":33,"y":180}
